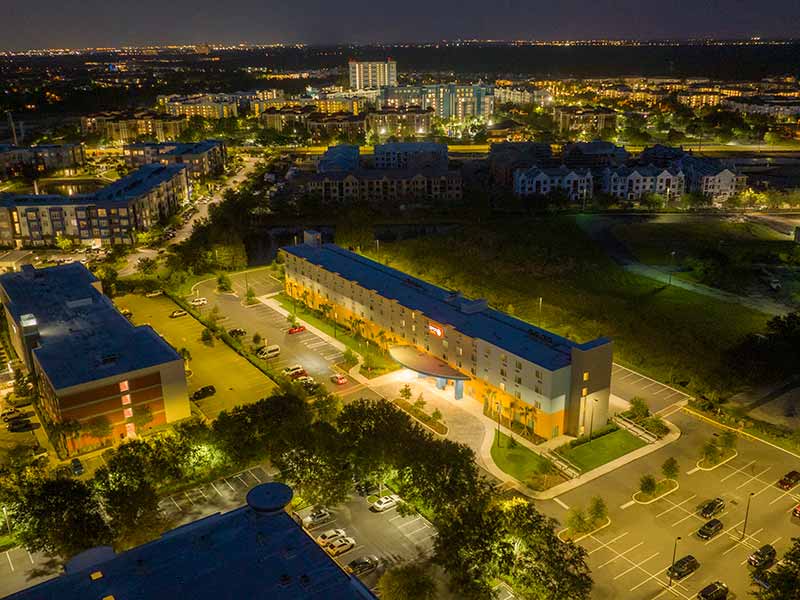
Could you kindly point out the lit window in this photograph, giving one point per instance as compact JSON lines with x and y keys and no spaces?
{"x":130,"y":430}
{"x":96,"y":575}
{"x":585,"y":392}
{"x":124,"y":386}
{"x":128,"y":412}
{"x":586,"y":375}
{"x":126,"y":399}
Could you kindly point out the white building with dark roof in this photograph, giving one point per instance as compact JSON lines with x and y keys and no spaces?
{"x":631,"y":183}
{"x":577,"y":184}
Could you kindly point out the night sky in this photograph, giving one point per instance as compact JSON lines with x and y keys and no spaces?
{"x":83,"y":23}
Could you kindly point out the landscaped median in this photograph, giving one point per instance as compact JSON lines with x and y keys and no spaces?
{"x":608,"y":444}
{"x":659,"y":490}
{"x":523,"y":464}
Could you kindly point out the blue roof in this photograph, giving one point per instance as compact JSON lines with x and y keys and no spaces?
{"x":178,"y":148}
{"x":470,"y":317}
{"x":241,"y":554}
{"x":141,"y":181}
{"x":83,"y":337}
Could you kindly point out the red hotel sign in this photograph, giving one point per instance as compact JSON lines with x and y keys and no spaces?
{"x":435,"y":329}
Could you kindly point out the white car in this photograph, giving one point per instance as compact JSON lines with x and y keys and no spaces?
{"x":340,"y":546}
{"x":385,"y":503}
{"x":199,"y":302}
{"x":329,"y":536}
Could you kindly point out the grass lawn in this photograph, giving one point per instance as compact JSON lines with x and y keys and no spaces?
{"x":602,"y":450}
{"x":382,"y":363}
{"x":236,"y":380}
{"x":669,"y":333}
{"x":7,"y":541}
{"x":522,"y":464}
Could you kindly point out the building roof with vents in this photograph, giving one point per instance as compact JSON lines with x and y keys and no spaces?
{"x":82,"y":336}
{"x":471,"y":317}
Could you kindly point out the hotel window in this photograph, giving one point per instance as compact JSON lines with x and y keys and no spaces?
{"x":518,"y":380}
{"x":124,"y":386}
{"x":502,"y":372}
{"x":460,"y":351}
{"x":504,"y":358}
{"x":503,"y":386}
{"x":537,"y":389}
{"x":538,"y":374}
{"x":585,"y":392}
{"x":538,"y":405}
{"x":586,"y":375}
{"x":126,"y":399}
{"x":518,"y":365}
{"x":517,"y":394}
{"x":130,"y":429}
{"x":128,"y":412}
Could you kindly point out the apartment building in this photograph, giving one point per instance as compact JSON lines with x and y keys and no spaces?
{"x":595,"y":154}
{"x":578,"y":119}
{"x":775,"y":106}
{"x":527,"y":374}
{"x":521,"y":95}
{"x":344,"y":157}
{"x":700,"y":99}
{"x":127,"y":127}
{"x":287,"y":118}
{"x":379,"y":186}
{"x":208,"y":106}
{"x":507,"y":157}
{"x":342,"y":125}
{"x":35,"y":160}
{"x":322,"y":103}
{"x":410,"y":155}
{"x":203,"y":159}
{"x":447,"y":100}
{"x":402,"y":122}
{"x":631,"y":183}
{"x":367,"y":75}
{"x":112,"y":215}
{"x":577,"y":184}
{"x":89,"y":362}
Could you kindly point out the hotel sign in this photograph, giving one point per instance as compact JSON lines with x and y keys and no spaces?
{"x":435,"y":329}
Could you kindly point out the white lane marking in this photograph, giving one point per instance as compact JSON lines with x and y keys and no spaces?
{"x":636,"y":566}
{"x":735,"y":471}
{"x":620,"y":555}
{"x":178,"y":506}
{"x":627,"y":504}
{"x":753,"y":478}
{"x":423,"y":528}
{"x":692,"y":471}
{"x":676,"y":505}
{"x":10,"y":564}
{"x":561,"y":503}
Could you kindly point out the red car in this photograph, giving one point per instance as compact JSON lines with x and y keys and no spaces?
{"x":796,"y":511}
{"x":791,"y":479}
{"x":297,"y":329}
{"x":338,"y":379}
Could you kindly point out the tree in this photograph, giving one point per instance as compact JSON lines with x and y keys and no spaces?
{"x":207,"y":337}
{"x":597,"y":512}
{"x":185,"y":354}
{"x":407,"y":581}
{"x":405,"y":393}
{"x":64,"y":243}
{"x":576,"y":520}
{"x":250,"y":295}
{"x":419,"y":403}
{"x":670,"y":468}
{"x":784,"y":578}
{"x":146,"y":265}
{"x":131,"y":506}
{"x":257,"y":339}
{"x":142,"y":416}
{"x":58,"y":516}
{"x":224,"y":283}
{"x":728,"y":440}
{"x":639,"y":409}
{"x":436,"y":415}
{"x":647,"y":485}
{"x":98,"y":427}
{"x":711,"y":453}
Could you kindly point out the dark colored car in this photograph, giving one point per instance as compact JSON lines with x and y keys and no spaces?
{"x":366,"y":488}
{"x":363,"y":565}
{"x":763,"y":557}
{"x":710,"y":529}
{"x":712,"y":508}
{"x":17,"y":425}
{"x":237,"y":332}
{"x":297,"y":329}
{"x":204,"y":392}
{"x":77,"y":466}
{"x":713,"y":591}
{"x":791,"y":479}
{"x":11,"y":415}
{"x":683,"y":567}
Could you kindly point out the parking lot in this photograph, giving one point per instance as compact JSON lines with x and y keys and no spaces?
{"x":20,"y":569}
{"x":660,"y":398}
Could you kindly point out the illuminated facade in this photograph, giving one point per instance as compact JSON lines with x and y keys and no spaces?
{"x":370,"y":75}
{"x":126,"y":127}
{"x":447,"y":100}
{"x":534,"y":377}
{"x":207,"y":106}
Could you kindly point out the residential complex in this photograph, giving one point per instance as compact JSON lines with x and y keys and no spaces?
{"x":532,"y":375}
{"x":379,"y":186}
{"x":507,"y":157}
{"x":521,"y":95}
{"x":208,"y":106}
{"x":89,"y":362}
{"x":402,"y":122}
{"x":631,"y":183}
{"x":710,"y":177}
{"x":365,"y":75}
{"x":344,"y":157}
{"x":776,"y":106}
{"x":112,"y":215}
{"x":447,"y":100}
{"x":410,"y":155}
{"x":344,"y":125}
{"x":127,"y":127}
{"x":576,"y":184}
{"x":36,"y":160}
{"x":256,"y":551}
{"x":203,"y":159}
{"x":323,"y":103}
{"x":576,"y":119}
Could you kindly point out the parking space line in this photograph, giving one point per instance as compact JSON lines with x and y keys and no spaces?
{"x":636,"y":566}
{"x":411,"y":522}
{"x":735,"y":471}
{"x":649,"y":385}
{"x":239,"y":477}
{"x":753,"y":478}
{"x":620,"y":554}
{"x":423,"y":528}
{"x":674,"y":505}
{"x":10,"y":564}
{"x":189,"y":497}
{"x":178,"y":506}
{"x":397,"y":517}
{"x":254,"y":475}
{"x":202,"y":492}
{"x":561,"y":503}
{"x":229,"y":485}
{"x":619,"y":537}
{"x":30,"y":557}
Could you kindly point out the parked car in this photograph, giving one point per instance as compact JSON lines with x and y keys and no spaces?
{"x":237,"y":332}
{"x":796,"y":511}
{"x":154,"y":294}
{"x":126,"y":313}
{"x":199,"y":301}
{"x":791,"y":479}
{"x":11,"y":414}
{"x":317,"y":517}
{"x":366,"y":488}
{"x":713,"y":591}
{"x":296,"y":329}
{"x":294,"y":372}
{"x":177,"y":313}
{"x":17,"y":425}
{"x":77,"y":466}
{"x":763,"y":557}
{"x":309,"y":383}
{"x":338,"y":379}
{"x":329,"y":536}
{"x":204,"y":392}
{"x":712,"y":508}
{"x":710,"y":529}
{"x":385,"y":503}
{"x":683,"y":567}
{"x":363,"y":565}
{"x":340,"y":546}
{"x":267,"y":352}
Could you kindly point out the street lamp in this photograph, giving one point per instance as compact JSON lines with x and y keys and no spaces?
{"x":497,"y":406}
{"x":591,"y":418}
{"x":674,"y":552}
{"x":671,"y":265}
{"x":746,"y":515}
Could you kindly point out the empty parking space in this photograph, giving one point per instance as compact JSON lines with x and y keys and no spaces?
{"x":626,"y":384}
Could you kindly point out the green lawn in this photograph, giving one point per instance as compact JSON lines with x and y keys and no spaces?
{"x":602,"y":450}
{"x":522,"y":464}
{"x":7,"y":541}
{"x":382,"y":363}
{"x":236,"y":380}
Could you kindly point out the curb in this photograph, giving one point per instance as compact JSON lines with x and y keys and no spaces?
{"x":667,"y":493}
{"x":584,"y":535}
{"x":719,"y":464}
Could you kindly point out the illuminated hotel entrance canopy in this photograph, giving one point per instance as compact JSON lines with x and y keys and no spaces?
{"x":424,"y":363}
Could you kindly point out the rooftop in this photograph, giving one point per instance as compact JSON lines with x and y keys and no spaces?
{"x":138,"y":183}
{"x":83,"y":337}
{"x":254,"y":552}
{"x":470,"y":317}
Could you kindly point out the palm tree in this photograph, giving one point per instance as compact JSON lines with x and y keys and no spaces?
{"x":383,"y":339}
{"x":185,"y":354}
{"x":526,"y":412}
{"x":67,"y":430}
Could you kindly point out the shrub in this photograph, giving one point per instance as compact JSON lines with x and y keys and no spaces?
{"x":647,"y":485}
{"x":576,"y":520}
{"x":656,"y":426}
{"x":207,"y":337}
{"x":597,"y":511}
{"x":711,"y":453}
{"x":638,"y":410}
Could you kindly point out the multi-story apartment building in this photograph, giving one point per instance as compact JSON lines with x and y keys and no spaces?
{"x":344,"y":125}
{"x":631,"y":183}
{"x":203,"y":159}
{"x":366,"y":75}
{"x":89,"y":362}
{"x":35,"y":160}
{"x":127,"y":127}
{"x":208,"y":106}
{"x":577,"y":184}
{"x":521,"y":95}
{"x":410,"y":155}
{"x":507,"y":157}
{"x":597,"y":153}
{"x":287,"y":118}
{"x":323,"y":103}
{"x":578,"y":119}
{"x":776,"y":106}
{"x":527,"y":374}
{"x":344,"y":157}
{"x":379,"y":187}
{"x":112,"y":215}
{"x":699,"y":99}
{"x":403,"y":122}
{"x":448,"y":100}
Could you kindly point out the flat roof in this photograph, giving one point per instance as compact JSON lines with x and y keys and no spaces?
{"x":470,"y":317}
{"x":247,"y":553}
{"x":82,"y":336}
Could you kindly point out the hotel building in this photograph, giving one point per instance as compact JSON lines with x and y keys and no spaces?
{"x":531,"y":375}
{"x":203,"y":159}
{"x":125,"y":127}
{"x":367,"y":75}
{"x":207,"y":106}
{"x":88,"y":360}
{"x":35,"y":160}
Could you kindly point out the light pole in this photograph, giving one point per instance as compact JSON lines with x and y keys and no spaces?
{"x":8,"y":523}
{"x":746,"y":515}
{"x":540,"y":312}
{"x":591,"y":419}
{"x":497,"y":406}
{"x":671,"y":264}
{"x":674,"y":552}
